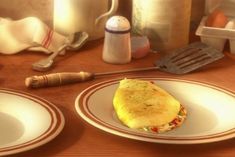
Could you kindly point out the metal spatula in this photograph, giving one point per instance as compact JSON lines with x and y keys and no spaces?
{"x":188,"y":59}
{"x":180,"y":61}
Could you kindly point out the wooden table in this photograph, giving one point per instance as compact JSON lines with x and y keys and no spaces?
{"x":80,"y":139}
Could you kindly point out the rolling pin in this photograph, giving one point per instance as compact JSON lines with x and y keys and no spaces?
{"x":58,"y":79}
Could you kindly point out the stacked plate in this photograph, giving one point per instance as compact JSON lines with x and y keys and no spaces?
{"x":26,"y":122}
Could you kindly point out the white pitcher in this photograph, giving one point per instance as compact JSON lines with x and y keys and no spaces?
{"x":72,"y":16}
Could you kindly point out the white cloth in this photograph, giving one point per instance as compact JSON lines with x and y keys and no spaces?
{"x":29,"y":33}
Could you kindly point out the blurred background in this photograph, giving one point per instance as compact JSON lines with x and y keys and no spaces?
{"x":17,"y":9}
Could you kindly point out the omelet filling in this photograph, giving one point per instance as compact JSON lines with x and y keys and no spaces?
{"x":180,"y":118}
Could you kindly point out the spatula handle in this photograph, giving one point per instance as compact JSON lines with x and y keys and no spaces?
{"x":57,"y":79}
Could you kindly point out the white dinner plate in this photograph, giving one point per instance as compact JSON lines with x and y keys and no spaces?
{"x":211,"y":112}
{"x":26,"y":121}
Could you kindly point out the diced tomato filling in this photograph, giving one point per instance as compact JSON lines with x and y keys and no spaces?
{"x":173,"y":124}
{"x":154,"y":129}
{"x":175,"y":121}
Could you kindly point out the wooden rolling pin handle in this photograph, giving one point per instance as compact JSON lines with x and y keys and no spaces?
{"x":57,"y":79}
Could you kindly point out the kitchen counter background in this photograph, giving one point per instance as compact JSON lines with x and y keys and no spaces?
{"x":17,"y":9}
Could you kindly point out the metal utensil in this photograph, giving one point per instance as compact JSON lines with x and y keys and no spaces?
{"x":45,"y":64}
{"x":181,"y":61}
{"x":189,"y":58}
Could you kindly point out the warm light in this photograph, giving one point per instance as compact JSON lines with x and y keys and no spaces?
{"x":71,"y":16}
{"x":63,"y":17}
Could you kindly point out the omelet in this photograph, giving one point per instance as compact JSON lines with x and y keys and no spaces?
{"x":141,"y":104}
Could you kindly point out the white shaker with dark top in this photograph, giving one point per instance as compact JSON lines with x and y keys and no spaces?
{"x":117,"y":45}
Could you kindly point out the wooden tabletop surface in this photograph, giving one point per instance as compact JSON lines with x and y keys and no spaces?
{"x":78,"y":138}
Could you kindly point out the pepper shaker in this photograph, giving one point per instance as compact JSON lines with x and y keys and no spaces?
{"x":117,"y":44}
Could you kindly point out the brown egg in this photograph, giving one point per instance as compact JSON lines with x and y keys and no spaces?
{"x":217,"y":19}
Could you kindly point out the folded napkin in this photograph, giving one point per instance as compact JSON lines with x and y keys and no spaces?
{"x":29,"y":33}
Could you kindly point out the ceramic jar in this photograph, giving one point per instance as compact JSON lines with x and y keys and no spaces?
{"x":165,"y":22}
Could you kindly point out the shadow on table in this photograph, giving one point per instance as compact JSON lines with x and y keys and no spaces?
{"x":2,"y":75}
{"x":89,"y":46}
{"x":71,"y":133}
{"x":209,"y":149}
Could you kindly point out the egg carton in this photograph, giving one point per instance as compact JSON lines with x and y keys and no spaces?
{"x":217,"y":37}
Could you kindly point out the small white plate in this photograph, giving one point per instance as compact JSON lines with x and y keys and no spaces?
{"x":26,"y":122}
{"x":211,"y":112}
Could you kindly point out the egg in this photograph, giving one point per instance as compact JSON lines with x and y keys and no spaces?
{"x":230,"y":24}
{"x":140,"y":47}
{"x":217,"y":19}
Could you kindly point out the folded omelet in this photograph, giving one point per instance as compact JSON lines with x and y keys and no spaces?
{"x":143,"y":105}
